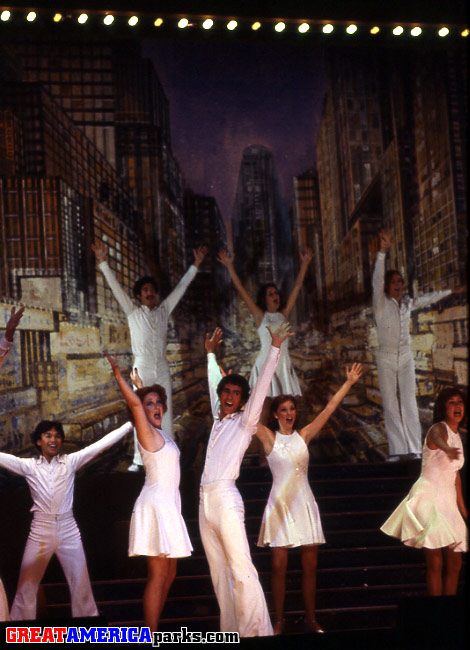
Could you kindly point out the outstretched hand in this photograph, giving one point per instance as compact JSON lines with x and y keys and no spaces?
{"x":13,"y":321}
{"x":135,"y":378}
{"x":100,"y":250}
{"x":225,"y":258}
{"x":280,"y":334}
{"x":385,"y":238}
{"x":112,"y":358}
{"x":212,"y":342}
{"x":306,"y":256}
{"x":199,"y":254}
{"x":354,"y":373}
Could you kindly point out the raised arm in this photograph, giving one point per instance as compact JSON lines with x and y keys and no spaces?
{"x":312,"y":429}
{"x":252,"y":412}
{"x":305,"y":261}
{"x":214,"y":374}
{"x":437,"y":439}
{"x":13,"y":463}
{"x":178,"y":292}
{"x":7,"y":339}
{"x":227,"y":260}
{"x":149,"y":438}
{"x":378,"y":277}
{"x":80,"y":458}
{"x":101,"y":253}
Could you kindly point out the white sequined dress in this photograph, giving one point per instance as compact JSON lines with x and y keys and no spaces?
{"x":429,"y":516}
{"x":291,"y":517}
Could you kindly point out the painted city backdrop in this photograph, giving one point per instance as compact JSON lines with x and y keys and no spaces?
{"x":157,"y":147}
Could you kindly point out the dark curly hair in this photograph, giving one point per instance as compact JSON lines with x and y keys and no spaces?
{"x":43,"y":427}
{"x":236,"y":380}
{"x":389,"y":277}
{"x":439,"y":411}
{"x":147,"y":279}
{"x":142,"y":392}
{"x":261,"y":296}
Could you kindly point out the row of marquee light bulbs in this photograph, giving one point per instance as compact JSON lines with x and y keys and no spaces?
{"x":232,"y":24}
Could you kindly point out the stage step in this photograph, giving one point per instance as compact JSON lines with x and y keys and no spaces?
{"x":362,"y":573}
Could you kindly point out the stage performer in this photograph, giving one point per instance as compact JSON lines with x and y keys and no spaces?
{"x":291,"y":517}
{"x":157,"y":528}
{"x":148,"y":325}
{"x":221,"y":511}
{"x":5,"y":345}
{"x":51,"y":480}
{"x":269,"y":312}
{"x":432,"y":515}
{"x":395,"y":363}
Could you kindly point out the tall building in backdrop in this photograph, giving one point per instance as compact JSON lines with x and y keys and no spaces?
{"x":391,"y":153}
{"x":208,"y":296}
{"x":308,"y":234}
{"x":84,"y":133}
{"x":262,"y":233}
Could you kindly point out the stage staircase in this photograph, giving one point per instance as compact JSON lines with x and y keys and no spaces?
{"x":362,"y":573}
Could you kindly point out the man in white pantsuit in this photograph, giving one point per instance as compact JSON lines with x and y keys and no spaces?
{"x":51,"y":480}
{"x":221,"y":512}
{"x":395,"y":363}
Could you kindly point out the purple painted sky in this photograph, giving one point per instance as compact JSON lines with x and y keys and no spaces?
{"x":227,"y":95}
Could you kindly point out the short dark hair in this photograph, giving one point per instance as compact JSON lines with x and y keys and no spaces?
{"x":147,"y":279}
{"x":276,"y":403}
{"x":261,"y":295}
{"x":43,"y":427}
{"x":388,"y":278}
{"x":236,"y":380}
{"x":439,"y":411}
{"x":145,"y":390}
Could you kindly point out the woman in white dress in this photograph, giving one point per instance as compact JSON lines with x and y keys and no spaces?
{"x":432,"y":514}
{"x":291,"y":517}
{"x":157,"y":528}
{"x":268,"y":312}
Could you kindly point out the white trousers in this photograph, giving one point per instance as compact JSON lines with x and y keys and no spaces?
{"x":397,"y":385}
{"x":236,"y":584}
{"x":51,"y":534}
{"x":3,"y":604}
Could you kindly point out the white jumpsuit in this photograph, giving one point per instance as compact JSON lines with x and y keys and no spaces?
{"x":222,"y":515}
{"x":395,"y":363}
{"x":53,"y":529}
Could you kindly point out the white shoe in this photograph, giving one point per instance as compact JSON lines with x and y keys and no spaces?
{"x":393,"y":459}
{"x":134,"y":468}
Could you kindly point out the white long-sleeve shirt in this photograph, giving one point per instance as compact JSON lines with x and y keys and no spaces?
{"x":393,"y":318}
{"x":5,"y":347}
{"x":231,"y":436}
{"x":51,"y":484}
{"x":148,"y":327}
